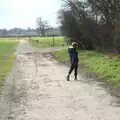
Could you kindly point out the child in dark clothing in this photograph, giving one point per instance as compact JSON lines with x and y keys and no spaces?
{"x":73,"y":54}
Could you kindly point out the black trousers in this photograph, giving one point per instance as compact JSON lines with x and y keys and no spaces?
{"x":75,"y":68}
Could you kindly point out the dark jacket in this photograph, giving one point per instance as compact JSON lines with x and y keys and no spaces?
{"x":73,"y":55}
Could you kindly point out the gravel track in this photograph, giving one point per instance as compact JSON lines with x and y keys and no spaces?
{"x":37,"y":89}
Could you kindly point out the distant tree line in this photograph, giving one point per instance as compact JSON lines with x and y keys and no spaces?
{"x":42,"y":29}
{"x":95,"y":24}
{"x":17,"y":32}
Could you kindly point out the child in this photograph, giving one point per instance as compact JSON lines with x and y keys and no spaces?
{"x":73,"y":54}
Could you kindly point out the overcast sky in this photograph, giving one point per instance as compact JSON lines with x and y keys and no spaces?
{"x":23,"y":13}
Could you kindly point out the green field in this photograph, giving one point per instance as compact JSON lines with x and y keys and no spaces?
{"x":105,"y":66}
{"x":47,"y":42}
{"x":7,"y":48}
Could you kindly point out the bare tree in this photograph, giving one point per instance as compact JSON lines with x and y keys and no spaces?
{"x":42,"y":26}
{"x":94,"y":22}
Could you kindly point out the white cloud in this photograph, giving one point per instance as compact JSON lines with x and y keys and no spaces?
{"x":23,"y":13}
{"x":25,"y":6}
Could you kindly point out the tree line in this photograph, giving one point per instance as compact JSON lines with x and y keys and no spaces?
{"x":95,"y":24}
{"x":29,"y":32}
{"x":17,"y":31}
{"x":42,"y":29}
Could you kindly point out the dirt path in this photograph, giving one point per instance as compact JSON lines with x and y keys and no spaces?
{"x":36,"y":89}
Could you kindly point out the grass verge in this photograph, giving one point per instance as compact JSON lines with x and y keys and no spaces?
{"x":105,"y":66}
{"x":7,"y":49}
